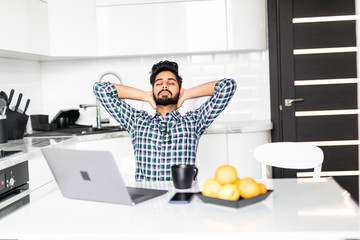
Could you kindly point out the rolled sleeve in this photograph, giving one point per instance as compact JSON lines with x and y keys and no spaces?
{"x":224,"y":90}
{"x":122,"y":112}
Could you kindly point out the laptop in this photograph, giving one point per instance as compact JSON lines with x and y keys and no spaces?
{"x":93,"y":176}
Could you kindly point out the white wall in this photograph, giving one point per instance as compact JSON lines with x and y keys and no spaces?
{"x":56,"y":85}
{"x":24,"y":77}
{"x":66,"y":84}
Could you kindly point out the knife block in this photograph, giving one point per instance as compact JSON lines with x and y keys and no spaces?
{"x":15,"y":124}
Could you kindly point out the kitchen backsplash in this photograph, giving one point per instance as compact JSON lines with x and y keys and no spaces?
{"x":56,"y":85}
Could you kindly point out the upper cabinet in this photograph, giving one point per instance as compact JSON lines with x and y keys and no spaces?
{"x":24,"y":26}
{"x":246,"y":24}
{"x":126,"y":28}
{"x":102,"y":28}
{"x":72,"y":27}
{"x":162,"y":27}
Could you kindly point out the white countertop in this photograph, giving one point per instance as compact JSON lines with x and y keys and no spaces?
{"x":297,"y":208}
{"x":30,"y":146}
{"x":239,"y":127}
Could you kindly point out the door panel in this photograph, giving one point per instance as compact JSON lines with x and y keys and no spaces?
{"x":311,"y":8}
{"x":326,"y":128}
{"x":325,"y":66}
{"x":326,"y":97}
{"x":324,"y":34}
{"x":340,"y":158}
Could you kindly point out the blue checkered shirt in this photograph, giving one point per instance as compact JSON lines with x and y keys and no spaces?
{"x":154,"y":155}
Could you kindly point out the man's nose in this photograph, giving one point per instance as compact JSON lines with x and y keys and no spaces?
{"x":165,"y":86}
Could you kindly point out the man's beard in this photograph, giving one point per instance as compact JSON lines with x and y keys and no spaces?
{"x":166,"y":101}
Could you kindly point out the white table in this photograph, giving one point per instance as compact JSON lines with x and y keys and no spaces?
{"x":297,"y":208}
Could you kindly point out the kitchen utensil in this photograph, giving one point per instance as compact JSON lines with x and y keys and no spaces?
{"x":10,"y":97}
{"x":4,"y":96}
{"x":4,"y":111}
{"x":18,"y":102}
{"x":26,"y":106}
{"x":2,"y":105}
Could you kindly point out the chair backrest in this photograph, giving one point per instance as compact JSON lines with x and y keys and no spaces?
{"x":291,"y":155}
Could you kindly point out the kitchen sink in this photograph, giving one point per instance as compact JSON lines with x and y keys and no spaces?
{"x":75,"y":130}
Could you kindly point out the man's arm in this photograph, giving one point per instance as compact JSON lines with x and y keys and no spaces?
{"x":126,"y":92}
{"x":203,"y":90}
{"x":122,"y":112}
{"x":209,"y":110}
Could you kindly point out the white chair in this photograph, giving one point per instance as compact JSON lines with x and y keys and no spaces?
{"x":291,"y":155}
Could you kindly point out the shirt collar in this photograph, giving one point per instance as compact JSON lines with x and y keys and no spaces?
{"x":173,"y":116}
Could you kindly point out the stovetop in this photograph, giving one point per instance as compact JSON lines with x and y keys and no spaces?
{"x":4,"y":153}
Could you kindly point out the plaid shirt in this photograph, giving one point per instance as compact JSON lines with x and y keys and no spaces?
{"x":161,"y":142}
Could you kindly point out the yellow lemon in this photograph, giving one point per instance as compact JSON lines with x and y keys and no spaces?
{"x":248,"y":188}
{"x":211,"y":188}
{"x":226,"y":174}
{"x":229,"y":192}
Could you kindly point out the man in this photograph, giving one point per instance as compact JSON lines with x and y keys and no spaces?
{"x":167,"y":138}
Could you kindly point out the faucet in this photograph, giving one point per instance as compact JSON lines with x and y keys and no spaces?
{"x":99,"y":120}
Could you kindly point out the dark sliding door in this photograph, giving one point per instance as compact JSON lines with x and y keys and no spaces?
{"x":313,"y":77}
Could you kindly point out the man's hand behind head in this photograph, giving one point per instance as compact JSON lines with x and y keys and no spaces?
{"x":150,"y":99}
{"x":182,"y":97}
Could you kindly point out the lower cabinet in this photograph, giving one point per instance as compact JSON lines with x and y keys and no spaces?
{"x":235,"y":149}
{"x":241,"y":147}
{"x":39,"y":172}
{"x":214,"y":150}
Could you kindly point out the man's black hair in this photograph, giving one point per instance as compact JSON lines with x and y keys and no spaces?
{"x":165,"y":66}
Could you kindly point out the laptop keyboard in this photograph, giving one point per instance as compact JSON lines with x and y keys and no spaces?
{"x":135,"y":196}
{"x":140,"y":194}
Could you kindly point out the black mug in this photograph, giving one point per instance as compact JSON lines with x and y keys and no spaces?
{"x":183,"y":175}
{"x":62,"y":122}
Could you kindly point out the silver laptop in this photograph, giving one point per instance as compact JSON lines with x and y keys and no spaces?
{"x":94,"y":176}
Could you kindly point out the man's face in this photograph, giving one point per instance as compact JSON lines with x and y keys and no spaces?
{"x":166,"y":89}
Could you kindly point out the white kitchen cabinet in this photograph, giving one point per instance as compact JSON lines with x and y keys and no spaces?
{"x":166,"y":27}
{"x":241,"y":152}
{"x":72,"y":27}
{"x":14,"y":29}
{"x":39,"y":172}
{"x":246,"y":24}
{"x":212,"y":152}
{"x":184,"y":26}
{"x":38,"y":27}
{"x":235,"y":149}
{"x":23,"y":26}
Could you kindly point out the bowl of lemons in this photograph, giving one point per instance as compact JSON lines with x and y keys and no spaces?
{"x":227,"y":189}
